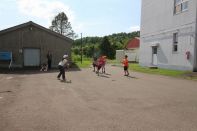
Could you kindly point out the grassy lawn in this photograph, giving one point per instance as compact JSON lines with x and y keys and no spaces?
{"x":173,"y":73}
{"x":166,"y":72}
{"x":84,"y":64}
{"x":136,"y":67}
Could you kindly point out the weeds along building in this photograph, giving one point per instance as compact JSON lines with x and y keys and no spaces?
{"x":168,"y":34}
{"x":29,"y":44}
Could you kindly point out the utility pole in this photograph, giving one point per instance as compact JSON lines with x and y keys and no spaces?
{"x":81,"y":49}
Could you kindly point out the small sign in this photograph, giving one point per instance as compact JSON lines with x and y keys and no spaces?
{"x":5,"y":55}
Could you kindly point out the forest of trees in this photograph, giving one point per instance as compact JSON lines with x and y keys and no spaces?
{"x":107,"y":45}
{"x":91,"y":46}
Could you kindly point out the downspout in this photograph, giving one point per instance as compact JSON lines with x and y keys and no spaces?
{"x":195,"y":44}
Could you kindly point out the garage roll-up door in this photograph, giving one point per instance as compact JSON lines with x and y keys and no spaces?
{"x":31,"y":57}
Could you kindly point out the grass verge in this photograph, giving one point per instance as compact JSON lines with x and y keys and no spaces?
{"x":136,"y":67}
{"x":166,"y":72}
{"x":84,"y":64}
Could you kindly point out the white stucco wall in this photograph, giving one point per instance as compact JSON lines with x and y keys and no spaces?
{"x":133,"y":55}
{"x":158,"y":23}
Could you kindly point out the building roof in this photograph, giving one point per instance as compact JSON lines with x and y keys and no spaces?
{"x":36,"y":25}
{"x":133,"y":43}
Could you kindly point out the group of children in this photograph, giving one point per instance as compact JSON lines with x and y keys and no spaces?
{"x":99,"y":64}
{"x":101,"y":61}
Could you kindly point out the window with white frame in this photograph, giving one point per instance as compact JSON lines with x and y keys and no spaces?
{"x":180,"y":6}
{"x":175,"y":42}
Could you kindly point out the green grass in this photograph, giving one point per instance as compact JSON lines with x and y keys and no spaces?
{"x":84,"y":64}
{"x":166,"y":72}
{"x":173,"y":73}
{"x":136,"y":67}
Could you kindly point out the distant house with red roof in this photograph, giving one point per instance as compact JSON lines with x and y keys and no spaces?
{"x":132,"y":50}
{"x":133,"y":43}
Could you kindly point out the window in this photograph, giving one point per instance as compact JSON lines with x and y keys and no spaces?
{"x":180,"y":6}
{"x":175,"y":42}
{"x":185,"y":5}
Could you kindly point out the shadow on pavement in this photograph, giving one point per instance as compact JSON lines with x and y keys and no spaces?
{"x":107,"y":74}
{"x":5,"y":91}
{"x":102,"y":75}
{"x":132,"y":77}
{"x":35,"y":70}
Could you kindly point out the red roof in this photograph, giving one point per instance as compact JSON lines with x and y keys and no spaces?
{"x":133,"y":43}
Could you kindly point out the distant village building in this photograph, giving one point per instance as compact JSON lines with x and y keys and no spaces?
{"x":29,"y":44}
{"x":132,"y":51}
{"x":168,"y":34}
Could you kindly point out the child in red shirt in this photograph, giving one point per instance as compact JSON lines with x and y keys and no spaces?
{"x":99,"y":64}
{"x":125,"y":63}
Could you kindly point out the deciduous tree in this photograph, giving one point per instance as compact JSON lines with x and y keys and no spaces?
{"x":60,"y":24}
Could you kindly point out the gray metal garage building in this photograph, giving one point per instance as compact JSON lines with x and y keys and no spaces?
{"x":29,"y":43}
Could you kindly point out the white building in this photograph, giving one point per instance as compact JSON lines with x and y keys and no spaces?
{"x":168,"y":34}
{"x":132,"y":51}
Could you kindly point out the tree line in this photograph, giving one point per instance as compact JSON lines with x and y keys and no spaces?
{"x":107,"y":45}
{"x":91,"y":46}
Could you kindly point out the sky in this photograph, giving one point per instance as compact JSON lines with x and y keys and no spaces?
{"x":89,"y":17}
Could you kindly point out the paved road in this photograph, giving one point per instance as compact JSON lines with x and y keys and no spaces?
{"x":111,"y":102}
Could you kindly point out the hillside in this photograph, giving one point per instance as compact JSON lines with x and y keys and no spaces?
{"x":91,"y":44}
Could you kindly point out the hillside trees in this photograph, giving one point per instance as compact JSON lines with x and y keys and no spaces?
{"x":92,"y":46}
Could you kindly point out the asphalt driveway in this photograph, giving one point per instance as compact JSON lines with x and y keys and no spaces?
{"x":37,"y":101}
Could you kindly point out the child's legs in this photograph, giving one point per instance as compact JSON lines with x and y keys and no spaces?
{"x":94,"y":66}
{"x":125,"y":70}
{"x":60,"y":71}
{"x":99,"y":67}
{"x":63,"y":73}
{"x":104,"y":68}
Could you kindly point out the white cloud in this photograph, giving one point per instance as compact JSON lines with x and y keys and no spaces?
{"x":134,"y":28}
{"x":44,"y":9}
{"x":86,"y":26}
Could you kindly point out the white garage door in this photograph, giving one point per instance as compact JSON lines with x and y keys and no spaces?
{"x":31,"y":57}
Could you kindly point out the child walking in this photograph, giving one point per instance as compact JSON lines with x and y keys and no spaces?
{"x":125,"y":63}
{"x":61,"y":67}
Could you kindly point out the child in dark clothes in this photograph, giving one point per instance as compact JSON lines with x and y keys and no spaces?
{"x":94,"y":63}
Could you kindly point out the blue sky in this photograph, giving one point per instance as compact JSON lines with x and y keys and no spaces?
{"x":90,"y":17}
